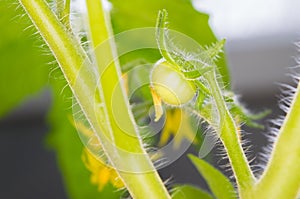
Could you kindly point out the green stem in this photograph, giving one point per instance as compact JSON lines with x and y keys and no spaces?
{"x":60,"y":4}
{"x":281,"y":178}
{"x":64,"y":47}
{"x":138,"y":184}
{"x":229,"y":137}
{"x":63,"y":11}
{"x":124,"y":149}
{"x":66,"y":14}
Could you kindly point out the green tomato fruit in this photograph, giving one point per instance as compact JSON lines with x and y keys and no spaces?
{"x":171,"y":85}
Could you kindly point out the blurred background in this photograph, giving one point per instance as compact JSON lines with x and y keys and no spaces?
{"x":260,"y":48}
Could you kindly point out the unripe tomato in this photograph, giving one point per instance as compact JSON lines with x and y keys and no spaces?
{"x":170,"y":84}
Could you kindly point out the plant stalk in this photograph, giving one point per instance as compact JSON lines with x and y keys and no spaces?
{"x":281,"y":178}
{"x":228,"y":133}
{"x":124,"y":149}
{"x":138,"y":184}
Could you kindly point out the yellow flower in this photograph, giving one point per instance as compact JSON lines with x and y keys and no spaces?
{"x":178,"y":123}
{"x":178,"y":126}
{"x":157,"y":105}
{"x":101,"y":173}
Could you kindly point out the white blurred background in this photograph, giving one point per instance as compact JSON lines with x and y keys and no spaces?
{"x":260,"y":40}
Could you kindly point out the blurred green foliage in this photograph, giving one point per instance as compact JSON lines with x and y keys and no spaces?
{"x":218,"y":183}
{"x":24,"y":70}
{"x":189,"y":192}
{"x":23,"y":65}
{"x":183,"y":18}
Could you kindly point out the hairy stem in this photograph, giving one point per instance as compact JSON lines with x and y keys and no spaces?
{"x":60,"y":4}
{"x":116,"y":130}
{"x":281,"y":178}
{"x":229,"y":137}
{"x":63,"y":12}
{"x":138,"y":184}
{"x":66,"y":14}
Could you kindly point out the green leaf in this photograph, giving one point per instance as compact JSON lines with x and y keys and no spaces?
{"x":132,"y":14}
{"x":217,"y":182}
{"x":189,"y":192}
{"x":23,"y":70}
{"x":68,"y":147}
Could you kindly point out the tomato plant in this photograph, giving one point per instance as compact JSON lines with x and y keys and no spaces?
{"x":186,"y":83}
